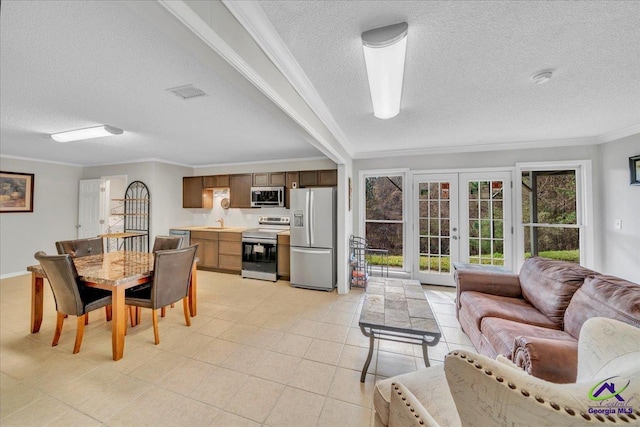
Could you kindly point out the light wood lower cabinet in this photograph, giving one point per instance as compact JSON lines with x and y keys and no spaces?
{"x":230,"y":251}
{"x":207,"y":248}
{"x":284,"y":256}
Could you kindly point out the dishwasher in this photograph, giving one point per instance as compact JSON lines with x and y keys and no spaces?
{"x":185,"y":234}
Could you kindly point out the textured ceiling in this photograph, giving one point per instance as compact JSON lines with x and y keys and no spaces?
{"x":467,"y":86}
{"x":74,"y":64}
{"x":468,"y":68}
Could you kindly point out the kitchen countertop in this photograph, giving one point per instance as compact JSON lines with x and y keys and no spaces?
{"x":211,"y":228}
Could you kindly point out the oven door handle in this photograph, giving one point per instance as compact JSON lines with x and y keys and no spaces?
{"x":259,"y":240}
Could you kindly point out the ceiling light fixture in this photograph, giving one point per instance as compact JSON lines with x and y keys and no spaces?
{"x":542,"y":77}
{"x":86,"y":133}
{"x":384,"y":53}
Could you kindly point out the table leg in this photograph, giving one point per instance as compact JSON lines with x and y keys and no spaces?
{"x":368,"y":361}
{"x":37,"y":302}
{"x":425,"y":353}
{"x":118,"y":322}
{"x":193,"y":290}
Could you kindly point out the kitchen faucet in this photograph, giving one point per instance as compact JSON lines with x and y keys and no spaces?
{"x":221,"y":221}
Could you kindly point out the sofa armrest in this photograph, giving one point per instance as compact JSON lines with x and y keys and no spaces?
{"x":406,"y":410}
{"x":502,"y":284}
{"x":549,"y":359}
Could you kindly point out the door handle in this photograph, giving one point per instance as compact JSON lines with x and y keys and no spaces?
{"x":454,"y":237}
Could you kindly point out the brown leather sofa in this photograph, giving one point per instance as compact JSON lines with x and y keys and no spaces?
{"x":534,"y":318}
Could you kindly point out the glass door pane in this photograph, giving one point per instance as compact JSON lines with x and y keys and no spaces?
{"x":436,"y":197}
{"x":485,"y":227}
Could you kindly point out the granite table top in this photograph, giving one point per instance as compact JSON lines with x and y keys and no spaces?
{"x":111,"y":268}
{"x":398,"y":305}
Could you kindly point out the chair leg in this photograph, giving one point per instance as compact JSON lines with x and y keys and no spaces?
{"x":156,"y":334}
{"x":58,"y":331}
{"x":108,"y":312}
{"x":185,"y":307}
{"x":163,"y":311}
{"x":86,"y":318}
{"x":138,"y":315}
{"x":79,"y":333}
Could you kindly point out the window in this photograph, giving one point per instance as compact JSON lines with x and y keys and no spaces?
{"x":555,"y":204}
{"x":384,"y":216}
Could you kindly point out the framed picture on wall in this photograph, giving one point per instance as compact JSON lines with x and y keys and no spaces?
{"x":16,"y":192}
{"x":634,"y":170}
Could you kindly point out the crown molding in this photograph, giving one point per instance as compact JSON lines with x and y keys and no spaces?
{"x":255,"y":21}
{"x":620,"y":133}
{"x":264,"y":162}
{"x":33,"y":159}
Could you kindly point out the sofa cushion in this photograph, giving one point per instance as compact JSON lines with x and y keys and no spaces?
{"x":502,"y":333}
{"x":480,"y":305}
{"x":603,"y":296}
{"x":549,"y":285}
{"x":421,"y":383}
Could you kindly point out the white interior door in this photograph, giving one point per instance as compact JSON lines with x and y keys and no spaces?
{"x":89,"y":210}
{"x":461,"y":217}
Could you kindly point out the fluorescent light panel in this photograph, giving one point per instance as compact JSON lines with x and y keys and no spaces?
{"x":86,"y":133}
{"x":384,"y":54}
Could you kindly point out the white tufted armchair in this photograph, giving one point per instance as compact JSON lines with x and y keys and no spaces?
{"x":473,"y":390}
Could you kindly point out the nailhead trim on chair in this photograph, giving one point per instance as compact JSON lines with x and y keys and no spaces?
{"x":395,"y":387}
{"x":539,"y":399}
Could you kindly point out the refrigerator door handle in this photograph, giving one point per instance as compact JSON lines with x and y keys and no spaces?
{"x":306,"y":217}
{"x":311,"y":251}
{"x":312,"y":207}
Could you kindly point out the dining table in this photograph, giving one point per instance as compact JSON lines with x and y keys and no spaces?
{"x":112,"y":271}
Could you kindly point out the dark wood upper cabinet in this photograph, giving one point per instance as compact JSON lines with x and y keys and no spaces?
{"x":292,"y":178}
{"x":193,"y":193}
{"x":319,"y":178}
{"x":308,"y":179}
{"x":216,"y":181}
{"x":240,"y":190}
{"x":328,"y":178}
{"x":269,"y":179}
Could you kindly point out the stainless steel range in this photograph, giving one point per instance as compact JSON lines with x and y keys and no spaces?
{"x":260,"y":248}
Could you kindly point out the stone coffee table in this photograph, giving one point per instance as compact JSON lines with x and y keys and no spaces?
{"x":397,"y":310}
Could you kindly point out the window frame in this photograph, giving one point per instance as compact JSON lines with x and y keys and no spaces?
{"x":584,"y":206}
{"x":406,"y":186}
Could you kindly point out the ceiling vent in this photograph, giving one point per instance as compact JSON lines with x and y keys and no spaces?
{"x":187,"y":92}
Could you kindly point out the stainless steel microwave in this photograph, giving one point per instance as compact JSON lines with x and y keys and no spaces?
{"x":262,"y":197}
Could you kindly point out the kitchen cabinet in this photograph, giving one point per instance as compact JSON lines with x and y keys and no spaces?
{"x":207,"y":248}
{"x":291,"y":179}
{"x":308,"y":178}
{"x":230,"y":251}
{"x":328,"y":178}
{"x":216,"y":181}
{"x":284,"y":256}
{"x":194,"y":195}
{"x":269,"y":179}
{"x":319,"y":178}
{"x":240,"y":190}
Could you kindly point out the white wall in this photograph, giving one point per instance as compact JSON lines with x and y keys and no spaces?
{"x":54,"y":217}
{"x":621,"y":249}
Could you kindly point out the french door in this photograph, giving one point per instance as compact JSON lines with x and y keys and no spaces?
{"x":461,"y":217}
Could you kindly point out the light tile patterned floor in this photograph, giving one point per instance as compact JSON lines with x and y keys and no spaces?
{"x":257,"y":353}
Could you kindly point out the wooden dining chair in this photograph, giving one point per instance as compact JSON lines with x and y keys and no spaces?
{"x":80,"y":248}
{"x":72,"y":297}
{"x":171,"y":281}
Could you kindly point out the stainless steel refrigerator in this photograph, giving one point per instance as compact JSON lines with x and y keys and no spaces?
{"x":313,"y":238}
